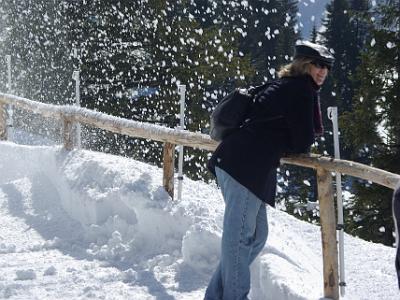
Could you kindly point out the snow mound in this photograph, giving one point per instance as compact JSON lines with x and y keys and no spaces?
{"x":201,"y":246}
{"x":84,"y":224}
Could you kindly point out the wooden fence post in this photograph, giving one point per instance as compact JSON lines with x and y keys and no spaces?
{"x":168,"y":168}
{"x":68,"y":133}
{"x":3,"y":122}
{"x":328,"y":234}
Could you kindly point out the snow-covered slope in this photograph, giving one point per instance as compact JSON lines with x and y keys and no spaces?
{"x":80,"y":224}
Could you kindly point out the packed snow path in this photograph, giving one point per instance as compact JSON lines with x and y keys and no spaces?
{"x":80,"y":224}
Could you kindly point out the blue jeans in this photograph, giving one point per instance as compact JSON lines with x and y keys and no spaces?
{"x":245,"y":232}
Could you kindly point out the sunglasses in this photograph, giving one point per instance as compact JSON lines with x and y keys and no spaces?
{"x":321,"y":65}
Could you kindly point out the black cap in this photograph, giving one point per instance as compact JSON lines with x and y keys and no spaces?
{"x":314,"y":51}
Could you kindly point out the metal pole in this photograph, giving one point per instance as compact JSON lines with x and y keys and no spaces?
{"x":10,"y":111}
{"x":181,"y":91}
{"x":333,"y":116}
{"x":76,"y":77}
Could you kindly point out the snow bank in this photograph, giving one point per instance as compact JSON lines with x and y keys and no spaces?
{"x":106,"y":224}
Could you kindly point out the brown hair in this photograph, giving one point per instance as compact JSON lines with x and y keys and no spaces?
{"x":299,"y":66}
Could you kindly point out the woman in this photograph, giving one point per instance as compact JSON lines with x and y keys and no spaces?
{"x":245,"y":163}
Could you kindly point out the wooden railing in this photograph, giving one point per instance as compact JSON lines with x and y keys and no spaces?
{"x":69,"y":115}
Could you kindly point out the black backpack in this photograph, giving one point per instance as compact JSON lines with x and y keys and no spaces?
{"x":230,"y":113}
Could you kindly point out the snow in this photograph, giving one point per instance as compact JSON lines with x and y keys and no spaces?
{"x":83,"y":224}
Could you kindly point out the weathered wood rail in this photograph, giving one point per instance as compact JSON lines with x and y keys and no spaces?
{"x":69,"y":115}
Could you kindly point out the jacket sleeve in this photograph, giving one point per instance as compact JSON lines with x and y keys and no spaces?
{"x":300,"y":118}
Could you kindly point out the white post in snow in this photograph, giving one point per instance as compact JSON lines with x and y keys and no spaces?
{"x":76,"y":77}
{"x":333,"y":116}
{"x":10,"y":111}
{"x":181,"y":91}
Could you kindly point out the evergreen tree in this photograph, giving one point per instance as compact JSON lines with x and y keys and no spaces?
{"x":163,"y":45}
{"x":346,"y":36}
{"x":288,"y":33}
{"x":373,"y":128}
{"x":269,"y":34}
{"x":314,"y":34}
{"x":110,"y":54}
{"x":267,"y":29}
{"x":35,"y":36}
{"x":205,"y":59}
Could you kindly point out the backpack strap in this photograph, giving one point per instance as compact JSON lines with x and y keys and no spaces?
{"x":254,"y":90}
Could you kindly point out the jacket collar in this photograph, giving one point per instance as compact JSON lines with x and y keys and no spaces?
{"x":308,"y":78}
{"x":315,"y":86}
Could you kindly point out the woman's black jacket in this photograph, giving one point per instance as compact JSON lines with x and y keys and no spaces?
{"x":252,"y":153}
